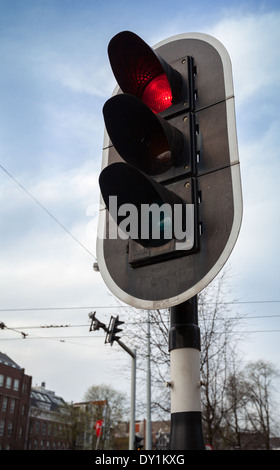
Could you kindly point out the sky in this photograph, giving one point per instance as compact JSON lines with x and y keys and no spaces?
{"x":55,"y":78}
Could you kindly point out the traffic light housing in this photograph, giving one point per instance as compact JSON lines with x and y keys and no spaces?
{"x":171,"y":200}
{"x":138,"y":442}
{"x":113,"y":330}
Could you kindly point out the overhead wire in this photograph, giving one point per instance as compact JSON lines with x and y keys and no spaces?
{"x":250,"y":317}
{"x":101,"y":336}
{"x":232,"y":302}
{"x":114,"y":306}
{"x":47,"y":211}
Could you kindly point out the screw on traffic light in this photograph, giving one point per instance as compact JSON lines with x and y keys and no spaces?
{"x":171,"y":202}
{"x":113,"y":330}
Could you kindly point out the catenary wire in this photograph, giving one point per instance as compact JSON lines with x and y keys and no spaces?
{"x":233,"y":302}
{"x":46,"y":210}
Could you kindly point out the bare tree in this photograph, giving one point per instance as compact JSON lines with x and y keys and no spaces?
{"x":217,"y":325}
{"x":137,"y":335}
{"x":233,"y":423}
{"x":258,"y":379}
{"x":218,"y":350}
{"x":235,"y":401}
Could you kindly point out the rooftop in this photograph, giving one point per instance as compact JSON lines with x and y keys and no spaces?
{"x":4,"y":359}
{"x":45,"y":399}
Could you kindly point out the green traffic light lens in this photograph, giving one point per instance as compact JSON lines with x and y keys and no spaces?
{"x":150,"y":204}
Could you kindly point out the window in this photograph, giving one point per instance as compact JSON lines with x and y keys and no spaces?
{"x":12,"y":405}
{"x":44,"y":429}
{"x":2,"y":425}
{"x":16,"y":384}
{"x":44,"y":397}
{"x":1,"y":380}
{"x":10,"y":428}
{"x":4,"y":404}
{"x":8,"y":382}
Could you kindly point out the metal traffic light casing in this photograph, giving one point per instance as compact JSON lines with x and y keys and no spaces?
{"x":113,"y":330}
{"x":170,"y":145}
{"x":138,"y":442}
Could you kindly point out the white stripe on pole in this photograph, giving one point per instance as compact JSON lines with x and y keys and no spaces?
{"x":185,"y":378}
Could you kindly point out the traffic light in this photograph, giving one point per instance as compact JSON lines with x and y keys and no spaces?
{"x":138,"y":442}
{"x":113,"y":330}
{"x":157,"y":149}
{"x":170,"y":183}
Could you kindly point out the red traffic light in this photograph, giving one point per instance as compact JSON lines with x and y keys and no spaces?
{"x":141,"y":72}
{"x":157,"y":94}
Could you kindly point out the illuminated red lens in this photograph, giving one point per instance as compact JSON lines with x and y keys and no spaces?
{"x":157,"y":94}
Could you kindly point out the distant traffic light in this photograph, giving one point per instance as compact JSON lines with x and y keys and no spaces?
{"x":138,"y":442}
{"x":113,"y":330}
{"x":170,"y":183}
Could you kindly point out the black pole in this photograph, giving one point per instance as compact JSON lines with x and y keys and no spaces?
{"x":184,"y":346}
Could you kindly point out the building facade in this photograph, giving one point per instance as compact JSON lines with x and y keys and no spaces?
{"x":32,"y":418}
{"x":49,"y":424}
{"x":15,"y":387}
{"x":88,"y":414}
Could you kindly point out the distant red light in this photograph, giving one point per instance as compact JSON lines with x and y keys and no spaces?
{"x":157,"y":94}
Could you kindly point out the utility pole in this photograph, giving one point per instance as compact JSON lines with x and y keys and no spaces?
{"x":110,"y":338}
{"x":132,"y":394}
{"x":184,"y":346}
{"x":148,"y":420}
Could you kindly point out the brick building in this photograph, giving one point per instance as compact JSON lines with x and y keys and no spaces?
{"x":49,"y":423}
{"x":30,"y":417}
{"x":15,"y":387}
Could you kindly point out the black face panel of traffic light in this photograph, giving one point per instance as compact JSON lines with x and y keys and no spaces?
{"x":157,"y":147}
{"x":168,"y":169}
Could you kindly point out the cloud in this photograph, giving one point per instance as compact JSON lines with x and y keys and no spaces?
{"x":92,"y":79}
{"x":72,"y":59}
{"x":66,"y":194}
{"x":252,"y":42}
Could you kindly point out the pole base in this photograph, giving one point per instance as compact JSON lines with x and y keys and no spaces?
{"x":186,"y":431}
